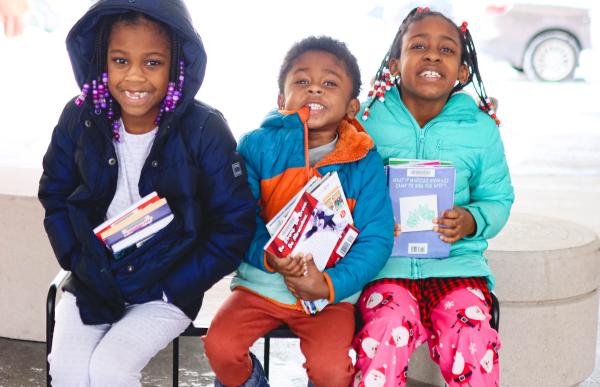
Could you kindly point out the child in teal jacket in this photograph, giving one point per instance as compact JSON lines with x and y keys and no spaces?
{"x":417,"y":112}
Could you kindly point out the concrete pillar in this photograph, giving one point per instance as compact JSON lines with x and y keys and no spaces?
{"x":547,"y":275}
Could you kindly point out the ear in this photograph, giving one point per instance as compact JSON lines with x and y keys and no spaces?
{"x":463,"y":74}
{"x":395,"y":67}
{"x":353,"y":108}
{"x":280,"y":102}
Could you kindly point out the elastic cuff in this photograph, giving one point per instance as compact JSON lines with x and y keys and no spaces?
{"x":267,"y":266}
{"x":330,"y":286}
{"x":479,"y":222}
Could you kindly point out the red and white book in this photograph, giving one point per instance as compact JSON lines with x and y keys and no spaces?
{"x":319,"y":226}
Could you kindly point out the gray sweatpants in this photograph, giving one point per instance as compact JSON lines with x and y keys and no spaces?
{"x":110,"y":354}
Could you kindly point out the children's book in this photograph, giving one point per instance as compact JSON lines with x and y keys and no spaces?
{"x":133,"y":226}
{"x":137,"y":221}
{"x":275,"y":223}
{"x":108,"y":226}
{"x":318,"y":222}
{"x":420,"y":190}
{"x":142,"y":234}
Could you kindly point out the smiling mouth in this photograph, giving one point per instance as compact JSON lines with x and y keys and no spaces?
{"x":315,"y":106}
{"x":430,"y":74}
{"x":136,"y":95}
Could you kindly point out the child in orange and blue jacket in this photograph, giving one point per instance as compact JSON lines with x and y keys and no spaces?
{"x":313,"y":133}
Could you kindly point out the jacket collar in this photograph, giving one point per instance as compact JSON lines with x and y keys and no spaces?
{"x":460,"y":107}
{"x":353,"y":142}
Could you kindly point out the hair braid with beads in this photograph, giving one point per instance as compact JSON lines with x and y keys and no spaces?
{"x":384,"y":80}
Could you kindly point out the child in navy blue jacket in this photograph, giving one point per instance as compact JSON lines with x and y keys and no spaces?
{"x":135,"y":129}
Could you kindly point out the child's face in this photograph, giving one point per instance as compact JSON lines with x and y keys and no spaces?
{"x":430,"y":60}
{"x":139,"y":59}
{"x":320,"y":81}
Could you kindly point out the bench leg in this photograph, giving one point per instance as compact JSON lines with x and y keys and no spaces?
{"x":267,"y":351}
{"x":176,"y":362}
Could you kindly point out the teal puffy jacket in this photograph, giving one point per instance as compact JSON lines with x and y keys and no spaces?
{"x":467,"y":137}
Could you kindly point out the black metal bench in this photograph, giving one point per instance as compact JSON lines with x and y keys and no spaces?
{"x":282,"y":332}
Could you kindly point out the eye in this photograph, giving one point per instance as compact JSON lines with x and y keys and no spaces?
{"x":119,"y":61}
{"x":329,"y":84}
{"x":448,"y":50}
{"x":417,"y":46}
{"x":301,"y":82}
{"x":152,"y":63}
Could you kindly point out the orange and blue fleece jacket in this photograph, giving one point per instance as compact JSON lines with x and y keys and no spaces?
{"x":276,"y":157}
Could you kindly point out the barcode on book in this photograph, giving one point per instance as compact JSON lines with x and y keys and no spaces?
{"x":349,"y":238}
{"x":420,"y":172}
{"x":417,"y":248}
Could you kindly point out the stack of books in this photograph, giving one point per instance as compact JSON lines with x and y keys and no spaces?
{"x":420,"y":190}
{"x":316,"y":221}
{"x":132,"y":227}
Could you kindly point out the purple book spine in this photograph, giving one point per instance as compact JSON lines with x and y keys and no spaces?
{"x":427,"y":243}
{"x":144,"y":221}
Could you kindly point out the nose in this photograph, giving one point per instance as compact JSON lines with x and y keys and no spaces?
{"x":315,"y":89}
{"x":135,"y":74}
{"x":432,"y":55}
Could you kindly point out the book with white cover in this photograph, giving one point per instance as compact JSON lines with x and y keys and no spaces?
{"x":142,"y":234}
{"x":322,"y":229}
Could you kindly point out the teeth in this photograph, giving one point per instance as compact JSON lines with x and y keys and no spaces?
{"x":315,"y":106}
{"x":430,"y":74}
{"x":136,"y":94}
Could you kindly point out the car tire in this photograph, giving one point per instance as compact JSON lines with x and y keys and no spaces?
{"x":551,"y":56}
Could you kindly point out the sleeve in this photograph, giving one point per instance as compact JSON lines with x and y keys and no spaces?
{"x":229,"y":212}
{"x":491,"y":191}
{"x":374,"y":219}
{"x":59,"y":179}
{"x":255,"y":254}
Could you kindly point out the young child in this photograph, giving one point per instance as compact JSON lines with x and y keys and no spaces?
{"x":314,"y":132}
{"x":135,"y":130}
{"x":442,"y":301}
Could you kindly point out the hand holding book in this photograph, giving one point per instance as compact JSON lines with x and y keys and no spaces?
{"x":291,"y":266}
{"x":316,"y":223}
{"x":309,"y":287}
{"x":455,"y":224}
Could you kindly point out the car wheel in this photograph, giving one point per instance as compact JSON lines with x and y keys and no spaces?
{"x":551,"y":56}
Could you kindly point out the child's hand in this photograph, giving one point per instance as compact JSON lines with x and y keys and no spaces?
{"x":454,"y":224}
{"x":293,"y":266}
{"x":397,"y":230}
{"x":311,"y":286}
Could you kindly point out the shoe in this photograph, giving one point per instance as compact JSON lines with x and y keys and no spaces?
{"x":257,"y":377}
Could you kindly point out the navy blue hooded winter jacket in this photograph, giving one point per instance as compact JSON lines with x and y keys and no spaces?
{"x":193,"y":164}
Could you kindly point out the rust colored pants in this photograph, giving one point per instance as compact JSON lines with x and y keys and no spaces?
{"x":325,"y":338}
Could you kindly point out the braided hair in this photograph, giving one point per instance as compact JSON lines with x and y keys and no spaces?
{"x":133,"y":18}
{"x":384,"y":80}
{"x":101,"y":98}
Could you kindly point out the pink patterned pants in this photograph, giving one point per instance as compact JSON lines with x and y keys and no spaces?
{"x":462,"y":342}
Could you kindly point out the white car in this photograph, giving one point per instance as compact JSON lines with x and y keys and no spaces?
{"x":544,"y":41}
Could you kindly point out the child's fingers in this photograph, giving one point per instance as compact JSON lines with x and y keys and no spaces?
{"x":449,"y":239}
{"x":445,"y":224}
{"x":295,"y":268}
{"x":309,"y":265}
{"x":450,"y":214}
{"x":291,"y":288}
{"x":397,"y":230}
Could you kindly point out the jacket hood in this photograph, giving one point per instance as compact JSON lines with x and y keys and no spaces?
{"x":81,"y":39}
